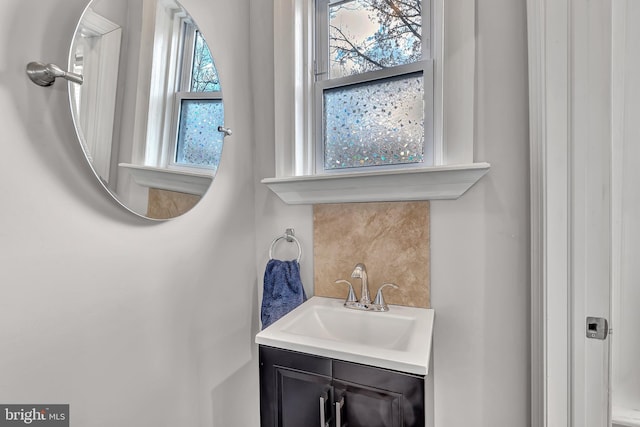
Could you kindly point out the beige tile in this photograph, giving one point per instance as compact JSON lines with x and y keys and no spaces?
{"x":165,"y":204}
{"x":391,"y":239}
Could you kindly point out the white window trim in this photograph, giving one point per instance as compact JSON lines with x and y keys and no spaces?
{"x":164,"y":83}
{"x":169,"y":179}
{"x":453,"y":20}
{"x":425,"y":183}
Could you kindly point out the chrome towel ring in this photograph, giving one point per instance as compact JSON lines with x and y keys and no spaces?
{"x":289,"y":236}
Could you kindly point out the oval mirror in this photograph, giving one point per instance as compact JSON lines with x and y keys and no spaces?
{"x":149,"y":114}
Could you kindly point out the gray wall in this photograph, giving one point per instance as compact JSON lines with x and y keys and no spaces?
{"x":132,"y":323}
{"x":479,"y":243}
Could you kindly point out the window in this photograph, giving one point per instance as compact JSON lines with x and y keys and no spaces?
{"x":449,"y":167}
{"x":198,"y":107}
{"x":374,"y":85}
{"x":185,"y":97}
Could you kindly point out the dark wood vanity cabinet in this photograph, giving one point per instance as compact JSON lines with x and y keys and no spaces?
{"x":303,"y":390}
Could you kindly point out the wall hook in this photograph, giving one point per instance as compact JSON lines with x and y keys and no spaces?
{"x":45,"y":74}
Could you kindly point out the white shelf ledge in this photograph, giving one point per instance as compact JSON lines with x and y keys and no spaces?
{"x":169,"y":179}
{"x":437,"y":182}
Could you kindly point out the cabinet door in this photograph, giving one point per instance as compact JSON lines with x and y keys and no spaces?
{"x":301,"y":390}
{"x":375,"y":397}
{"x":303,"y":399}
{"x":360,"y":406}
{"x":292,"y":387}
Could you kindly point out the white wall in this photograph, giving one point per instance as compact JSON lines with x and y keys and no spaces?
{"x":273,"y":217}
{"x":479,"y":243}
{"x":132,"y":323}
{"x":626,"y":292}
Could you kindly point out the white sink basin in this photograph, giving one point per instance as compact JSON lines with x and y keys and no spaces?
{"x":399,"y":339}
{"x":386,"y":330}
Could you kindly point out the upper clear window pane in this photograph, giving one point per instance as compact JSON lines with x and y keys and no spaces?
{"x":367,"y":35}
{"x":204,"y":76}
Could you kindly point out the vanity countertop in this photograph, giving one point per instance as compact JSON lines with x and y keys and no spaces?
{"x":399,"y":339}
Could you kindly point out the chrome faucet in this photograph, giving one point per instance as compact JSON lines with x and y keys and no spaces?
{"x":360,"y":272}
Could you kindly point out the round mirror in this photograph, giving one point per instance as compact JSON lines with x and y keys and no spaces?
{"x":149,"y":113}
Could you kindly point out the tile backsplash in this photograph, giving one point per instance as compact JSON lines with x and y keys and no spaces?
{"x":391,"y":239}
{"x":165,"y":204}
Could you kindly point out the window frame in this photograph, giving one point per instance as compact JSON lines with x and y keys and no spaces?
{"x":456,"y":168}
{"x":175,"y":126}
{"x":294,"y":179}
{"x":171,"y":67}
{"x":322,"y":83}
{"x":182,"y":92}
{"x":425,"y":67}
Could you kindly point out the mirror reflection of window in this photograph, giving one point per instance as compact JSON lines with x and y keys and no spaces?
{"x":204,"y":76}
{"x":200,"y":110}
{"x":184,"y":136}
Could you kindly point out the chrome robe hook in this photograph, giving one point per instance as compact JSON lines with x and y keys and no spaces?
{"x":45,"y":74}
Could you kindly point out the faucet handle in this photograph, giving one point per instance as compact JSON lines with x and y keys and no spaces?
{"x":351,"y":297}
{"x":379,"y":301}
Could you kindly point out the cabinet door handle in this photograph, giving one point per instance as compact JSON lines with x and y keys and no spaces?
{"x":339,"y":406}
{"x":323,"y":408}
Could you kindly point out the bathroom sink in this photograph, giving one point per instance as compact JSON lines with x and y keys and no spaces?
{"x":399,"y":339}
{"x":386,"y":330}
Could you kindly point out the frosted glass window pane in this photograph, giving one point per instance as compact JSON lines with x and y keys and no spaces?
{"x":204,"y":76}
{"x":199,"y":142}
{"x":366,"y":35}
{"x":374,"y":123}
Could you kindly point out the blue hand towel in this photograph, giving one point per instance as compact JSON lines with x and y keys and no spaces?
{"x":283,"y":290}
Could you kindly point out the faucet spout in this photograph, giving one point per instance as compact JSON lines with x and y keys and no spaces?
{"x":360,"y":272}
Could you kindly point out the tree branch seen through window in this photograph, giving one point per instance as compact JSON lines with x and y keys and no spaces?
{"x":367,"y":35}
